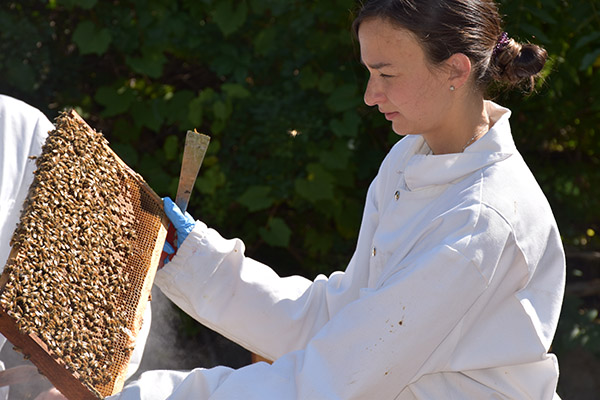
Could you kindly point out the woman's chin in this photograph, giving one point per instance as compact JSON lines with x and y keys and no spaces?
{"x":400,"y":131}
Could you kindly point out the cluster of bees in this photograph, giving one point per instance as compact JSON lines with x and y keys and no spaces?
{"x":68,"y":278}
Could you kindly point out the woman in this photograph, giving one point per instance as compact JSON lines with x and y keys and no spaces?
{"x":455,"y":287}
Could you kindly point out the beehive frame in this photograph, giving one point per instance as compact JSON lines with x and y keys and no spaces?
{"x":116,"y":309}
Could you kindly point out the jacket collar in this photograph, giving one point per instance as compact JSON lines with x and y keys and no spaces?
{"x":421,"y":170}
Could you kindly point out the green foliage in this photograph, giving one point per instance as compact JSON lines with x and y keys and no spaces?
{"x":91,"y":40}
{"x":278,"y":86}
{"x":578,"y":328}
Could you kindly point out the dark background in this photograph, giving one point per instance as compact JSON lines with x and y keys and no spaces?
{"x":278,"y":86}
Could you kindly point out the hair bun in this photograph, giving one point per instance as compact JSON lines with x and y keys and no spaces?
{"x":516,"y":63}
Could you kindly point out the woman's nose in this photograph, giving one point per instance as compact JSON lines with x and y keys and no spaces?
{"x":373,"y":95}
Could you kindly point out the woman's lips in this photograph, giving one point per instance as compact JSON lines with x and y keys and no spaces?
{"x":390,"y":116}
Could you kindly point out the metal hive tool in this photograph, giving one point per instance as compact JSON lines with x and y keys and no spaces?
{"x":84,"y":256}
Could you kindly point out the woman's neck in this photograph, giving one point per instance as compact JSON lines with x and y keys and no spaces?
{"x":467,"y":121}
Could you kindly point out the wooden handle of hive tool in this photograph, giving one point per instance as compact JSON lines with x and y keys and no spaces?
{"x":196,"y":145}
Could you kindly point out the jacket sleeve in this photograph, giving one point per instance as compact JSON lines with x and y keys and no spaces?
{"x":371,"y":348}
{"x":212,"y":280}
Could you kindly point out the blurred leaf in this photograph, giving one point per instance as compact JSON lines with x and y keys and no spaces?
{"x":195,"y":112}
{"x":542,"y":15}
{"x":124,"y":130}
{"x":91,"y":39}
{"x":221,"y":110}
{"x":277,"y":233}
{"x":535,"y":32}
{"x":347,"y":218}
{"x":259,"y":6}
{"x":589,"y":59}
{"x":230,"y":17}
{"x":150,"y":63}
{"x":265,"y":41}
{"x":127,"y":153}
{"x":336,"y":158}
{"x":343,"y":98}
{"x":177,"y":108}
{"x":309,"y":79}
{"x":20,"y":74}
{"x":145,"y":115}
{"x":115,"y":101}
{"x":327,"y":83}
{"x":171,"y":147}
{"x":318,"y":242}
{"x":85,"y":4}
{"x":587,"y":39}
{"x":347,"y":127}
{"x":256,"y":198}
{"x":151,"y":167}
{"x":209,"y":180}
{"x":235,"y":90}
{"x":319,"y":185}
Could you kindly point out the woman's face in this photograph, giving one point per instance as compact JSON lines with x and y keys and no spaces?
{"x":407,"y":89}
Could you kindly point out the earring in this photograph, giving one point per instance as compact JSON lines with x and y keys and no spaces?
{"x":452,"y":88}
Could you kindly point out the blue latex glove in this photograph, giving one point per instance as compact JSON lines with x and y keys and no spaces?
{"x":183,"y":224}
{"x":167,"y":248}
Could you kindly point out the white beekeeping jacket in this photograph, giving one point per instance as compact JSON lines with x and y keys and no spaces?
{"x":23,"y":130}
{"x":453,"y":292}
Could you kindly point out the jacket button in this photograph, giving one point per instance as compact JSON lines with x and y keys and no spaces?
{"x":397,"y":195}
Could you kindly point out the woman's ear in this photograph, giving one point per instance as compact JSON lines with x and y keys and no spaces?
{"x":459,"y":67}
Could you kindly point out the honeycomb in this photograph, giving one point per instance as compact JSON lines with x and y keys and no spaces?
{"x":84,"y":256}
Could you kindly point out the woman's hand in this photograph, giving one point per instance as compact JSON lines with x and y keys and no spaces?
{"x":183,"y":224}
{"x":51,"y":394}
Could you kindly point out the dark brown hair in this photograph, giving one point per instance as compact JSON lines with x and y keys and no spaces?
{"x":470,"y":27}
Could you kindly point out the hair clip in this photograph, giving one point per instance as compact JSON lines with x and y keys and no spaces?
{"x":502,"y":42}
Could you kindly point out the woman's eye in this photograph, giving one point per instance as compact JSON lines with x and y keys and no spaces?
{"x":385,"y":76}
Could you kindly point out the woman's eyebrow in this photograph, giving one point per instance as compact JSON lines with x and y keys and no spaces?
{"x":375,"y":66}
